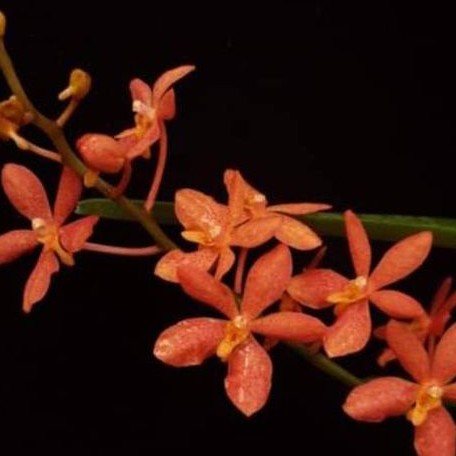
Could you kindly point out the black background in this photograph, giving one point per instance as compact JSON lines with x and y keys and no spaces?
{"x":350,"y":105}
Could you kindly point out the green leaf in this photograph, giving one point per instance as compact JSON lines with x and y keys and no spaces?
{"x":163,"y":211}
{"x":379,"y":227}
{"x":387,"y":227}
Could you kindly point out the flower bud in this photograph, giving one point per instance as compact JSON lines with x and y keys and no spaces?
{"x":101,"y":152}
{"x":12,"y":116}
{"x":78,"y":86}
{"x":2,"y":25}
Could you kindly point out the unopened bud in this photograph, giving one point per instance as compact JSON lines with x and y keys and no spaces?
{"x":78,"y":86}
{"x":12,"y":117}
{"x":101,"y":152}
{"x":13,"y":110}
{"x":2,"y":25}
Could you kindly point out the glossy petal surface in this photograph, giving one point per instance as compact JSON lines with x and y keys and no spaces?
{"x":189,"y":342}
{"x":248,"y":382}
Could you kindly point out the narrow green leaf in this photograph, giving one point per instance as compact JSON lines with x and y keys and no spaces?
{"x":379,"y":227}
{"x":163,"y":211}
{"x":388,"y":227}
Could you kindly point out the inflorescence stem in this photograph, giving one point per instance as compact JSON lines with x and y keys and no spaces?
{"x":55,"y":133}
{"x":69,"y":158}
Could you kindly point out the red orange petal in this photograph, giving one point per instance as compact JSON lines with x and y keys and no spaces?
{"x":68,"y":194}
{"x":449,"y":392}
{"x":298,"y":208}
{"x":224,"y":263}
{"x":15,"y":243}
{"x":248,"y":381}
{"x":38,"y":283}
{"x":167,"y":108}
{"x":197,"y":210}
{"x":437,"y":435}
{"x":380,"y":398}
{"x":266,"y":281}
{"x":166,"y":267}
{"x":312,"y":287}
{"x":292,"y":326}
{"x":444,"y":363}
{"x":408,"y":349}
{"x":358,"y":243}
{"x":189,"y":342}
{"x":140,"y":91}
{"x":296,"y":234}
{"x":351,"y":332}
{"x":167,"y":79}
{"x":203,"y":287}
{"x":255,"y":232}
{"x":235,"y":188}
{"x":397,"y":304}
{"x":149,"y":137}
{"x":75,"y":234}
{"x":26,"y":192}
{"x":402,"y":259}
{"x":441,"y":295}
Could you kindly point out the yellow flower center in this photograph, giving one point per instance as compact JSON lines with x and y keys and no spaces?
{"x":354,"y":291}
{"x":48,"y":235}
{"x":428,"y":398}
{"x":236,"y":332}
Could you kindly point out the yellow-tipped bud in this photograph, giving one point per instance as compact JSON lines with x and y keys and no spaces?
{"x":12,"y":117}
{"x":2,"y":25}
{"x":13,"y":110}
{"x":78,"y":87}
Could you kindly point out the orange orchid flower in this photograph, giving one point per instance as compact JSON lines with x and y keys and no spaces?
{"x":421,"y":401}
{"x":207,"y":223}
{"x":429,"y":326}
{"x":59,"y":241}
{"x":191,"y":341}
{"x":320,"y":288}
{"x":258,"y":218}
{"x":152,"y":106}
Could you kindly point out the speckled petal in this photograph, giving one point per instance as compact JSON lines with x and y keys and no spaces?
{"x":203,"y":287}
{"x":26,"y":192}
{"x":358,"y":243}
{"x":75,"y":234}
{"x":296,"y":234}
{"x":68,"y":194}
{"x":444,"y":363}
{"x":380,"y":398}
{"x":266,"y":281}
{"x":248,"y":382}
{"x":189,"y":342}
{"x":16,"y":243}
{"x":224,"y":263}
{"x":195,"y":210}
{"x":351,"y":332}
{"x":38,"y":283}
{"x":255,"y":232}
{"x":408,"y":349}
{"x":397,"y":304}
{"x":401,"y":259}
{"x":292,"y":326}
{"x":166,"y":267}
{"x":436,"y":436}
{"x":312,"y":287}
